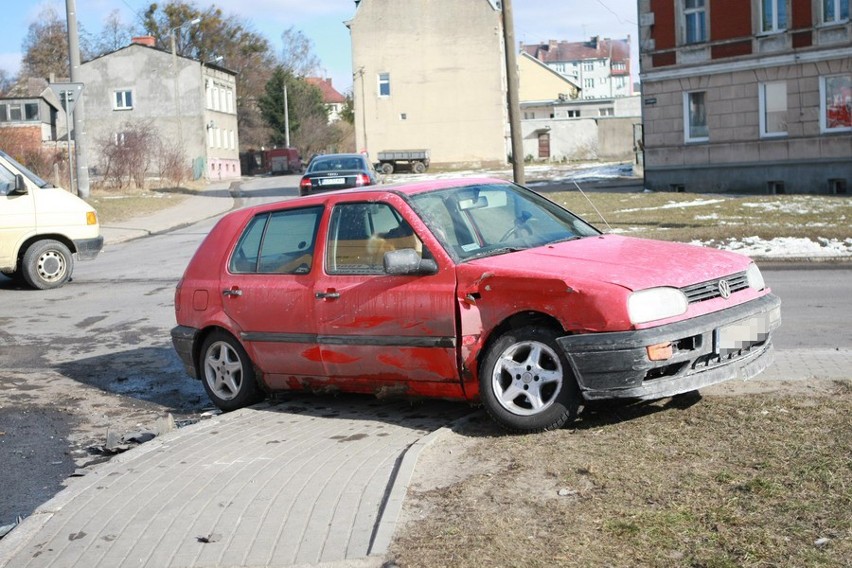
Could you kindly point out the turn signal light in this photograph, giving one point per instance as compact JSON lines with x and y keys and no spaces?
{"x":660,"y":351}
{"x":91,"y":218}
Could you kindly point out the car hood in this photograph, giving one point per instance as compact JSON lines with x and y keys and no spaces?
{"x":634,"y":264}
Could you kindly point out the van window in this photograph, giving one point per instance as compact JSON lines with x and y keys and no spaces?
{"x":7,"y":181}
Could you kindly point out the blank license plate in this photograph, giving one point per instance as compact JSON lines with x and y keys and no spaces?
{"x":333,"y":181}
{"x":741,"y":334}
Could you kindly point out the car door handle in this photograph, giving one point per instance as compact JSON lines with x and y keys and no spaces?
{"x":330,"y":295}
{"x":233,"y":292}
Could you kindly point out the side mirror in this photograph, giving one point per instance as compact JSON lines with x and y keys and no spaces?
{"x":20,"y":185}
{"x":407,"y":262}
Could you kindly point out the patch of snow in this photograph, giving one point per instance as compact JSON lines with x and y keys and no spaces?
{"x":785,"y":247}
{"x":675,"y":205}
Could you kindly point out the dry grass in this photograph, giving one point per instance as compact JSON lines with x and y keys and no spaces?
{"x":114,"y":206}
{"x":688,"y":216}
{"x":760,"y":480}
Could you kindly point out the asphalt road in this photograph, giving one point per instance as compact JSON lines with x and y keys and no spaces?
{"x":109,"y":329}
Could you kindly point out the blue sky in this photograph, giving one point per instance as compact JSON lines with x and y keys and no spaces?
{"x":322,"y":22}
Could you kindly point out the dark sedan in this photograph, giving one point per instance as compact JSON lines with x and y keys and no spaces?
{"x":337,"y":171}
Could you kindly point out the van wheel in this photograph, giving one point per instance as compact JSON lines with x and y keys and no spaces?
{"x":47,"y":264}
{"x":526,"y":383}
{"x":227,"y":373}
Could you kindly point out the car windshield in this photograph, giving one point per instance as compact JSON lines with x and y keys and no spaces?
{"x":336,"y":163}
{"x":30,"y":175}
{"x":482,"y":220}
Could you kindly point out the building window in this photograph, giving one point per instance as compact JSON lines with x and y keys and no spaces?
{"x":619,"y":66}
{"x":695,"y":117}
{"x":773,"y":109}
{"x":31,"y":111}
{"x":588,"y":65}
{"x":384,"y":84}
{"x":573,"y":114}
{"x":695,"y":21}
{"x":589,"y":83}
{"x":834,"y":11}
{"x":836,"y":103}
{"x":19,"y":112}
{"x":773,"y":15}
{"x":606,"y":111}
{"x":123,"y":100}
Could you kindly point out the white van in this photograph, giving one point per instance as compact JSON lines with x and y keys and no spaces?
{"x":42,"y":228}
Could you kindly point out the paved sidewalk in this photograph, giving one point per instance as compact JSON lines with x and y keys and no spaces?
{"x":216,"y":199}
{"x":316,"y":480}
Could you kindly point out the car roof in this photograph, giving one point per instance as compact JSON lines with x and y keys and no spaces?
{"x":370,"y":192}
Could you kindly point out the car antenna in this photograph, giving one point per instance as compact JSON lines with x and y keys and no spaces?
{"x":592,"y":204}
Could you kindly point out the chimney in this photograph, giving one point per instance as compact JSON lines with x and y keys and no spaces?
{"x":148,"y":40}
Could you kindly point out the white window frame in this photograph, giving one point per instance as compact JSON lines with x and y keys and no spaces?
{"x":122,"y":104}
{"x":763,"y":106}
{"x":823,"y":122}
{"x":837,"y":6}
{"x":699,"y":12}
{"x":774,"y":26}
{"x":384,"y":79}
{"x":687,"y":135}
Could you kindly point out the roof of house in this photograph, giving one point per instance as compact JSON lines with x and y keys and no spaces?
{"x":596,"y":48}
{"x":329,"y":93}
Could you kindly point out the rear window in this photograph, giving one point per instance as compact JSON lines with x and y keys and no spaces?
{"x":336,"y":163}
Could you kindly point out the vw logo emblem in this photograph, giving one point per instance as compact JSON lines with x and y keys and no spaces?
{"x":724,"y":289}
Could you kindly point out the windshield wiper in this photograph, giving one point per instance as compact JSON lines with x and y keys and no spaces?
{"x":566,"y":239}
{"x":495,"y":252}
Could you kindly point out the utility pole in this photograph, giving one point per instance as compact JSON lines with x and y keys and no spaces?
{"x":512,"y":87}
{"x":286,"y":117}
{"x":80,"y":146}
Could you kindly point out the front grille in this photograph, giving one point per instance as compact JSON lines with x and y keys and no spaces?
{"x":710,"y":289}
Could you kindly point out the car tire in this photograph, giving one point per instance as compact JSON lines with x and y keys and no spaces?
{"x":386,"y":168}
{"x":418,"y":167}
{"x":47,"y":264}
{"x":227,"y":373}
{"x":525,"y":381}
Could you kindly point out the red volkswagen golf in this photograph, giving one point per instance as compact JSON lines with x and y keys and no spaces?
{"x":472,"y":289}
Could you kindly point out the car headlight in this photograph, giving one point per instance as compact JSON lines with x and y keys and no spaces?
{"x":754,"y":277}
{"x":656,"y":304}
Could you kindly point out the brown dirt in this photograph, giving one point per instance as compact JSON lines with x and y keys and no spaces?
{"x":746,"y":474}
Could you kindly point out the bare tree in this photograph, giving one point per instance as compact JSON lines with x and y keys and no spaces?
{"x":114,"y":35}
{"x":297,"y":55}
{"x":6,"y":82}
{"x":46,"y":46}
{"x":243,"y":51}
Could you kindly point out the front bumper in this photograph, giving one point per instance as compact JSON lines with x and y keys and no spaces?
{"x":87,"y":249}
{"x":616,"y":365}
{"x":183,"y":339}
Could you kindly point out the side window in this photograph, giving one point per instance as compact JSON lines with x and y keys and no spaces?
{"x":281,"y":242}
{"x":7,"y":181}
{"x":361,"y":233}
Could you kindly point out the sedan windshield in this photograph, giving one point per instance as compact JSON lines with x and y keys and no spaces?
{"x":482,"y":220}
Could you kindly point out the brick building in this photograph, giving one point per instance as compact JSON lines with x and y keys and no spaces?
{"x":747,"y":95}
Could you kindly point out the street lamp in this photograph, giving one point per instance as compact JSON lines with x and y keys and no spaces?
{"x":173,"y":33}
